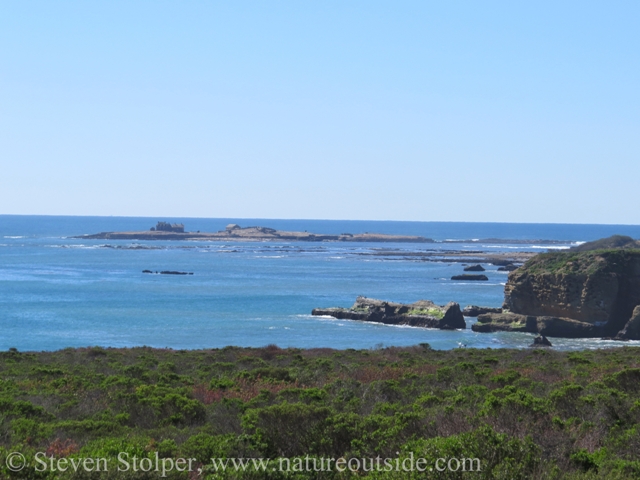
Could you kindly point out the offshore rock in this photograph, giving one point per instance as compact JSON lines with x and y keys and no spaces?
{"x":474,"y":268}
{"x":234,"y":232}
{"x":596,"y":287}
{"x":467,"y":276}
{"x":423,"y":313}
{"x":474,"y":310}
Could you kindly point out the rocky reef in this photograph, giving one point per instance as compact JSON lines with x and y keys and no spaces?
{"x":475,"y":310}
{"x":584,"y":292}
{"x":423,"y":313}
{"x":168,"y":272}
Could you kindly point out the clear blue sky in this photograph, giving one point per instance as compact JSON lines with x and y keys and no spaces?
{"x":398,"y":110}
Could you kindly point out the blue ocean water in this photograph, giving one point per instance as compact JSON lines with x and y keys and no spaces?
{"x":58,"y":292}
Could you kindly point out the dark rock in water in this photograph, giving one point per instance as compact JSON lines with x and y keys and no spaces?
{"x":467,"y":276}
{"x":597,"y":287}
{"x":541,"y":341}
{"x":168,"y":272}
{"x":499,"y":262}
{"x":631,"y":330}
{"x":508,"y":268}
{"x":545,"y":325}
{"x":474,"y":268}
{"x":422,"y":313}
{"x":474,"y":310}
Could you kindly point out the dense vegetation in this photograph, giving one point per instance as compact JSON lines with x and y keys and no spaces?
{"x":584,"y":263}
{"x":523,"y":413}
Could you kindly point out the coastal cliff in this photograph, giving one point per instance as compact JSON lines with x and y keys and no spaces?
{"x":601,"y":287}
{"x":422,"y":313}
{"x":590,"y":291}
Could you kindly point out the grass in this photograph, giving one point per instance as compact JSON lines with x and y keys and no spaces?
{"x":523,"y":413}
{"x":581,"y":263}
{"x":433,"y":312}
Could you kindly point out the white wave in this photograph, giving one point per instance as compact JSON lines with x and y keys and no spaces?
{"x":89,"y":247}
{"x":559,"y":247}
{"x":14,"y":236}
{"x":270,"y":256}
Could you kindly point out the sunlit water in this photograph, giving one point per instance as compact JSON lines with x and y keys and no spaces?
{"x":58,"y":292}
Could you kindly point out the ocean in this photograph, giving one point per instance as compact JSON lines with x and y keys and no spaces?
{"x":58,"y":292}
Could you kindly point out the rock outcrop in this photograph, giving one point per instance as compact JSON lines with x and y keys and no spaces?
{"x":474,"y":268}
{"x":467,"y":276}
{"x":631,"y":330}
{"x":597,"y":287}
{"x":544,"y":325}
{"x":541,"y":341}
{"x":422,"y":313}
{"x":474,"y":310}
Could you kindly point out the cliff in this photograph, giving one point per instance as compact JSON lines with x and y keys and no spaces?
{"x":422,"y":313}
{"x":600,"y":287}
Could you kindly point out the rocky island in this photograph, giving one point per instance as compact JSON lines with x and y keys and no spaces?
{"x":589,"y":291}
{"x":233,"y":232}
{"x":423,"y":313}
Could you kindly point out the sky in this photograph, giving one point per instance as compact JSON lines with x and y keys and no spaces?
{"x":397,"y":110}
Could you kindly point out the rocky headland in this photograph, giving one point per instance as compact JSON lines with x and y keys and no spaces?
{"x":423,"y":313}
{"x":588,"y":291}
